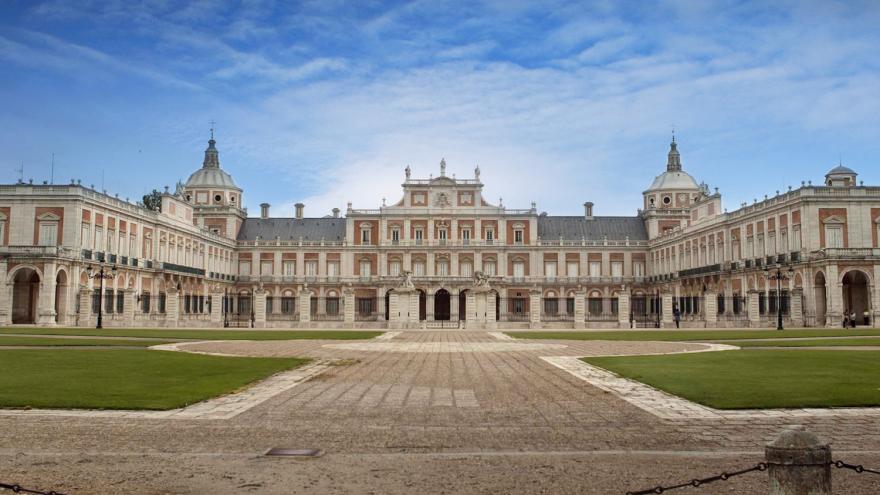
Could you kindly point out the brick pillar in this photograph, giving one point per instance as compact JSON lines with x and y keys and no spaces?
{"x":172,"y":307}
{"x":796,"y":307}
{"x":666,"y":309}
{"x":305,"y":305}
{"x":580,"y":308}
{"x":129,"y":307}
{"x":754,"y":312}
{"x":623,"y":315}
{"x":260,"y":308}
{"x":348,"y":306}
{"x":216,"y":308}
{"x":710,"y":301}
{"x":534,"y":308}
{"x":85,"y":307}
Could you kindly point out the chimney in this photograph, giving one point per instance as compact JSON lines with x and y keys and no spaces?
{"x":588,"y":210}
{"x":299,"y":210}
{"x":335,"y":212}
{"x":264,"y":210}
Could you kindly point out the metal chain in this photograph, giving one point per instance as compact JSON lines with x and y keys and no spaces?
{"x":20,"y":489}
{"x":855,"y":467}
{"x":700,"y":481}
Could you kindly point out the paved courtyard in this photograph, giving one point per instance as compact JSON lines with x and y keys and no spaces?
{"x":438,"y":412}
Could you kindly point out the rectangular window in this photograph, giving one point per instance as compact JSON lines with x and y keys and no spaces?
{"x":467,"y":269}
{"x":287,"y":305}
{"x":519,"y":269}
{"x":49,"y":234}
{"x":595,"y":268}
{"x":617,"y":269}
{"x":571,"y":269}
{"x":395,"y":236}
{"x":442,"y":234}
{"x":796,"y":238}
{"x":132,"y":245}
{"x":332,"y":268}
{"x":443,"y":268}
{"x":99,"y":239}
{"x":86,"y":238}
{"x":394,"y":268}
{"x":490,"y":236}
{"x":244,"y":268}
{"x":289,"y":268}
{"x":419,"y":268}
{"x":265,"y":268}
{"x":833,"y":236}
{"x":365,"y":236}
{"x":365,"y":268}
{"x":466,"y":236}
{"x":489,"y":268}
{"x":311,"y":268}
{"x":518,"y":236}
{"x":550,"y":269}
{"x":419,"y":236}
{"x":638,"y":269}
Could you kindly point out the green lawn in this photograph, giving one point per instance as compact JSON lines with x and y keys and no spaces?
{"x":197,"y":334}
{"x":830,"y":342}
{"x":63,"y":342}
{"x":697,"y":335}
{"x":124,"y":378}
{"x":759,"y":378}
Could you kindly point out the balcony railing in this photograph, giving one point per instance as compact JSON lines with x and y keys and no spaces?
{"x":35,"y":251}
{"x":183,"y":269}
{"x":848,"y":253}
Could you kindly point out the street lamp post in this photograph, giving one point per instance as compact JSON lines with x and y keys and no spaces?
{"x":778,"y":276}
{"x":100,"y":275}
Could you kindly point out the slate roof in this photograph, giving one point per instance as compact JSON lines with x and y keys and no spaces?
{"x":575,"y":228}
{"x":310,"y":229}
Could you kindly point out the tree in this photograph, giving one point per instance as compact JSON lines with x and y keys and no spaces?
{"x":152,"y":200}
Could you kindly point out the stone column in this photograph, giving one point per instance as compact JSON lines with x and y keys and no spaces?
{"x":172,"y":307}
{"x":534,"y":308}
{"x":580,"y":308}
{"x":85,"y":307}
{"x":305,"y":305}
{"x":833,"y":298}
{"x":710,"y":302}
{"x":6,"y":294}
{"x":667,"y":317}
{"x":46,"y":298}
{"x":394,"y":313}
{"x":348,"y":306}
{"x":798,"y":463}
{"x":796,"y":307}
{"x":753,"y":311}
{"x":453,"y":306}
{"x":260,"y":308}
{"x":217,"y":308}
{"x":413,"y":319}
{"x":623,"y":307}
{"x":491,"y":317}
{"x":128,"y":308}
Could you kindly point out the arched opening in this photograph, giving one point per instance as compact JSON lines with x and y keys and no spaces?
{"x":855,"y":295}
{"x":61,"y":297}
{"x":819,"y":293}
{"x":388,"y":303}
{"x":462,"y":305}
{"x":441,"y":305}
{"x":497,"y":304}
{"x":25,"y":293}
{"x":423,"y":305}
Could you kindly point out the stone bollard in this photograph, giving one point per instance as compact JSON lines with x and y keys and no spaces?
{"x":799,"y":464}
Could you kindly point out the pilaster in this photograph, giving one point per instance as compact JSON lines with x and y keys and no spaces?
{"x":217,"y":307}
{"x":128,"y":308}
{"x":580,"y":307}
{"x":710,"y":300}
{"x":796,"y":307}
{"x":305,"y":305}
{"x":666,"y":309}
{"x":46,"y":298}
{"x":348,"y":305}
{"x":85,"y":307}
{"x":534,"y":308}
{"x":623,"y":305}
{"x":754,"y":315}
{"x":260,"y":308}
{"x":172,"y":307}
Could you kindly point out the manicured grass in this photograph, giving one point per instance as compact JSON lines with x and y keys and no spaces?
{"x":830,"y":342}
{"x":759,"y":379}
{"x":124,"y":378}
{"x":63,"y":342}
{"x":695,"y":335}
{"x":198,"y":334}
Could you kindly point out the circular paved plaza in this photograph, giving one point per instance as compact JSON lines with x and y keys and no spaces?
{"x":438,"y":412}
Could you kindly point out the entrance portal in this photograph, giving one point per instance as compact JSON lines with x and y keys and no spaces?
{"x":441,"y":305}
{"x":855,"y":295}
{"x":819,"y":294}
{"x":25,"y":291}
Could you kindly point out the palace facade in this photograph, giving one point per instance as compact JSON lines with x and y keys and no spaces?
{"x":441,"y":256}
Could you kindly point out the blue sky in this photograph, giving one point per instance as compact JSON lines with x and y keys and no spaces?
{"x":327,"y":102}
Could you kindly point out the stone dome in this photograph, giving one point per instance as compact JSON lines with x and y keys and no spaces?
{"x":211,"y":175}
{"x":673,"y":180}
{"x":841,"y":170}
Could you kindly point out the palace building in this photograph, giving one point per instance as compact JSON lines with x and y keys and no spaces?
{"x":441,"y":256}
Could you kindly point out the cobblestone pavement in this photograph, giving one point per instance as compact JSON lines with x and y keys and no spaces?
{"x":464,"y":417}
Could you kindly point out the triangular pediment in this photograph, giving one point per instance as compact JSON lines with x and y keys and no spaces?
{"x":48,"y":217}
{"x":834,"y":219}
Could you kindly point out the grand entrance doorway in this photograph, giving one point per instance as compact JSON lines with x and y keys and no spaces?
{"x":855,"y":295}
{"x":819,"y":294}
{"x":441,"y":305}
{"x":61,"y":298}
{"x":25,"y":293}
